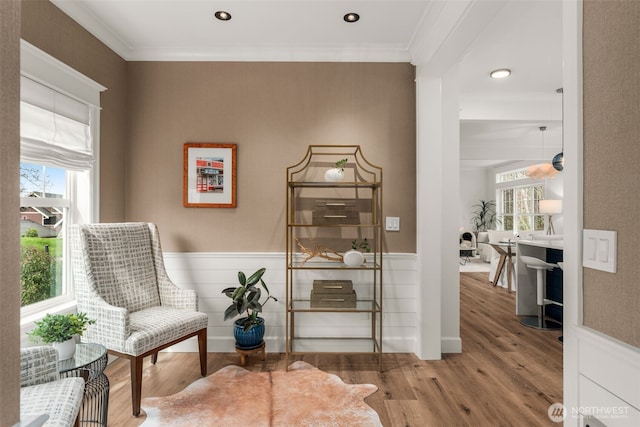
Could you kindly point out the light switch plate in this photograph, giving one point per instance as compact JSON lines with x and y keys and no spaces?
{"x":393,"y":223}
{"x":599,"y":250}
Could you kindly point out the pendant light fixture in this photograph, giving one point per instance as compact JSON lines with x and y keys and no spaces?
{"x":558,"y":159}
{"x":541,"y":170}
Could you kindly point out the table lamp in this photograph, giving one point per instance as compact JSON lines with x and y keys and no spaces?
{"x":550,"y":207}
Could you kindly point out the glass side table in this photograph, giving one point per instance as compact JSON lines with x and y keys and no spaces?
{"x":89,"y":362}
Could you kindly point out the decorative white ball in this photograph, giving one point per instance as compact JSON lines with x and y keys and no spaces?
{"x":334,"y":175}
{"x":353,"y":258}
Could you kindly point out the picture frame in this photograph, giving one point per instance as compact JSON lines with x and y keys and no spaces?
{"x":209,"y":175}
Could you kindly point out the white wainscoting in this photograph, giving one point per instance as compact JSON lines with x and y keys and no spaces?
{"x":609,"y":380}
{"x":210,"y":273}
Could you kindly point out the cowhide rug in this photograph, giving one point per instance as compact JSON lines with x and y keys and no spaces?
{"x":233,"y":396}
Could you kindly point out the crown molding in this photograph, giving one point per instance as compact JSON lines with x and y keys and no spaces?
{"x":242,"y":53}
{"x":447,"y":30}
{"x":87,"y":20}
{"x":294,"y":53}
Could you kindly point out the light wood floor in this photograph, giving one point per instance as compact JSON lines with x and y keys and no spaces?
{"x":506,"y":375}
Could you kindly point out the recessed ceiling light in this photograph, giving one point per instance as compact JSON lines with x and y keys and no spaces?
{"x":351,"y":17}
{"x":500,"y":73}
{"x":222,"y":15}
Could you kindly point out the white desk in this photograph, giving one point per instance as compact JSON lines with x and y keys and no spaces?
{"x":526,"y":277}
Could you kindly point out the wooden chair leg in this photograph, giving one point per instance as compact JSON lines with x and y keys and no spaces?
{"x":136,"y":384}
{"x":202,"y":347}
{"x":499,"y":269}
{"x":154,"y":358}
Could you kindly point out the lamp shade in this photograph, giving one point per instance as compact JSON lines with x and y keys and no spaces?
{"x":550,"y":206}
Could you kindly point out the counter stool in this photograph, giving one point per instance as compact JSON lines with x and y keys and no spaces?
{"x":561,"y":265}
{"x":539,"y":322}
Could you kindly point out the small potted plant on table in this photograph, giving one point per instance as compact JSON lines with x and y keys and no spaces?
{"x":336,"y":173}
{"x":249,"y":330}
{"x":60,"y":331}
{"x":355,"y":257}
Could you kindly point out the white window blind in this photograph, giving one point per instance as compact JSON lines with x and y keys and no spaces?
{"x":55,"y":129}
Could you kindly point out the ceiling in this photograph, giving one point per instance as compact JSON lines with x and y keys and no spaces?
{"x":501,"y":118}
{"x":524,"y":35}
{"x":311,"y":30}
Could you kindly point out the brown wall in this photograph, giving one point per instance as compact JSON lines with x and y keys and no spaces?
{"x":273,"y":111}
{"x":612,"y":161}
{"x":9,"y":224}
{"x":48,"y":28}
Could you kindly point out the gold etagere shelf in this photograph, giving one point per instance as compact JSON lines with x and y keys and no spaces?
{"x":327,"y":213}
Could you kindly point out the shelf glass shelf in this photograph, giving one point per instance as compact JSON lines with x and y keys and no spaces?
{"x":332,"y":214}
{"x":342,"y":184}
{"x":334,"y":225}
{"x":362,"y":306}
{"x":301,"y":346}
{"x":320,"y":265}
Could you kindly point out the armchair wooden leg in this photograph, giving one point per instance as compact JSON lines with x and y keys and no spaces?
{"x":202,"y":347}
{"x":136,"y":384}
{"x":154,"y":358}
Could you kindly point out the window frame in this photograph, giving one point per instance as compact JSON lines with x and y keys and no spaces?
{"x":518,"y":181}
{"x":48,"y":71}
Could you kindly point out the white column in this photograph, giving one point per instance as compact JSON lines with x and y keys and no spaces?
{"x":438,"y":172}
{"x":451,"y":342}
{"x":447,"y":32}
{"x":572,"y":201}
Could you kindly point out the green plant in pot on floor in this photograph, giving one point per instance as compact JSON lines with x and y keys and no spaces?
{"x":60,"y":331}
{"x":484,"y":216}
{"x":245,"y":300}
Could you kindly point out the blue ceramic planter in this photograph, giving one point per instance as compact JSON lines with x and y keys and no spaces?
{"x":250,"y":339}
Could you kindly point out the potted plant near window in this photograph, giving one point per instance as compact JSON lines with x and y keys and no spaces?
{"x":60,"y":331}
{"x":245,"y":299}
{"x":484,"y":216}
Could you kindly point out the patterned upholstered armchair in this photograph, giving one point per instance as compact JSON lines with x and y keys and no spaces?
{"x":120,"y":281}
{"x":43,"y":393}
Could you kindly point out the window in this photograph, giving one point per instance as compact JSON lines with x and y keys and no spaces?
{"x":518,"y":202}
{"x":59,"y":118}
{"x":43,"y":209}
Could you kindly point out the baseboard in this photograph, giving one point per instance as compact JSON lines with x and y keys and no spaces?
{"x":277,"y":345}
{"x":451,"y":344}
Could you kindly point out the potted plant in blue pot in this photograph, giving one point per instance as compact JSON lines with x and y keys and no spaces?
{"x":245,"y":299}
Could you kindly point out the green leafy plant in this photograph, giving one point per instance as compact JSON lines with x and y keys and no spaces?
{"x":246,"y":299}
{"x":361,"y":246}
{"x":36,"y":276}
{"x":60,"y":327}
{"x":340,"y":164}
{"x":31,"y":232}
{"x":484,"y":216}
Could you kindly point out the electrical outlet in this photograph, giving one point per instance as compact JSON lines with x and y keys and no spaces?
{"x":393,"y":223}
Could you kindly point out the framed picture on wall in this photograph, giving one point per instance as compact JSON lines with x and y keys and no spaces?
{"x":209,"y":175}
